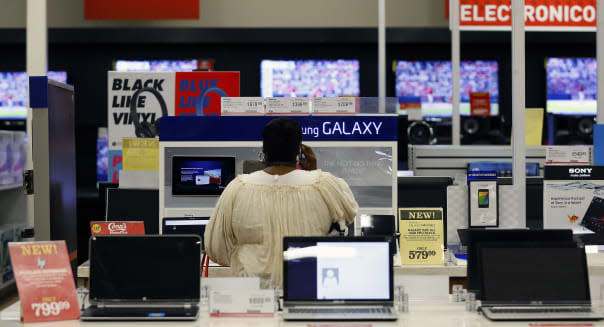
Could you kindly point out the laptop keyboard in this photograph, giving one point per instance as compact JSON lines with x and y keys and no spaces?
{"x":541,"y":310}
{"x":341,"y":311}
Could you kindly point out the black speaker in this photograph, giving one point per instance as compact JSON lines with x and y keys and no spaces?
{"x":421,"y":132}
{"x":475,"y":130}
{"x":573,"y":130}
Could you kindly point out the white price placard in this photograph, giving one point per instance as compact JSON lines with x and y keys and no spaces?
{"x":242,"y":106}
{"x":333,"y":106}
{"x":287,"y":106}
{"x":242,"y":303}
{"x":567,"y":155}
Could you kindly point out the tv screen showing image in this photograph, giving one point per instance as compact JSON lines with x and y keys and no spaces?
{"x":13,"y":92}
{"x":572,"y":86}
{"x":309,"y":78}
{"x":163,"y":65}
{"x":201,"y":175}
{"x":428,"y":85}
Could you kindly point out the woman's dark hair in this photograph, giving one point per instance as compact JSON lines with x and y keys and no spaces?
{"x":281,"y":140}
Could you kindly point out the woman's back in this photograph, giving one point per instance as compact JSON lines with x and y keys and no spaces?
{"x":257,"y":210}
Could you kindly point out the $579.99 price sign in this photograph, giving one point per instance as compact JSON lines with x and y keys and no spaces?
{"x":422,"y":236}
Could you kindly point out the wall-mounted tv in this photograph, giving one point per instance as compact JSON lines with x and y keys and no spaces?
{"x":428,"y":85}
{"x":163,"y":65}
{"x":309,"y":78}
{"x":13,"y":92}
{"x":572,"y":86}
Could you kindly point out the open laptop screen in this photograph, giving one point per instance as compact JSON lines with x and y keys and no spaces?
{"x":186,"y":225}
{"x":537,"y":274}
{"x":328,"y":269}
{"x":136,"y":268}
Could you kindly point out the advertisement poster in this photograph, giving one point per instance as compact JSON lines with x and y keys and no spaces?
{"x":573,"y":198}
{"x":422,"y":236}
{"x":480,"y":104}
{"x":140,"y":154}
{"x":185,"y":93}
{"x":45,"y":281}
{"x":117,"y":228}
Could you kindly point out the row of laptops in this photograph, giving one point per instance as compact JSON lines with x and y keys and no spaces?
{"x":522,"y":274}
{"x":157,"y":277}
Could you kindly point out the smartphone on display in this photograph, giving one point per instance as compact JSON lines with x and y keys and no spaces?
{"x":483,"y":198}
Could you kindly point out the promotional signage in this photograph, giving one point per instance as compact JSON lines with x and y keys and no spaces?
{"x":480,"y":104}
{"x":540,"y":15}
{"x":184,"y":93}
{"x":117,"y":228}
{"x":242,"y":303}
{"x":141,"y":9}
{"x":317,"y":128}
{"x":573,"y":198}
{"x":140,"y":154}
{"x":45,"y":281}
{"x":422,"y":236}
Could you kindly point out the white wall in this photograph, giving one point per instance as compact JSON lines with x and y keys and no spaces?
{"x":251,"y":13}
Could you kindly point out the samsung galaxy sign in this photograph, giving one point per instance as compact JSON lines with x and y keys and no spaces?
{"x":341,"y":128}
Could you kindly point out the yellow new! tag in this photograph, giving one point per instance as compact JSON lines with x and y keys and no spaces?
{"x":422,"y":236}
{"x":140,"y":153}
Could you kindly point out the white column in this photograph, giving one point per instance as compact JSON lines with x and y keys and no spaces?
{"x":600,"y":57}
{"x":455,"y":62}
{"x":36,"y":60}
{"x":382,"y":54}
{"x":518,"y":107}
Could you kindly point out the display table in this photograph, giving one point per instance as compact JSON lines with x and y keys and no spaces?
{"x":422,"y":313}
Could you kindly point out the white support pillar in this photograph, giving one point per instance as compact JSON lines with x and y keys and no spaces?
{"x":37,"y":64}
{"x":518,"y":107}
{"x":600,"y":58}
{"x":382,"y":55}
{"x":455,"y":63}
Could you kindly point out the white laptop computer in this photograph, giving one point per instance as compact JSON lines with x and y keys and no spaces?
{"x":144,"y":277}
{"x":337,"y":278}
{"x":535,"y":281}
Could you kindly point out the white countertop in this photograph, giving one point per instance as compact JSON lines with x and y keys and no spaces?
{"x":422,"y":313}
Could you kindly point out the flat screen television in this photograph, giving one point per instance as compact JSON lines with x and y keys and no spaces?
{"x":428,"y":85}
{"x":309,"y":78}
{"x":200,"y":175}
{"x":162,"y":65}
{"x":13,"y":93}
{"x":572,"y":86}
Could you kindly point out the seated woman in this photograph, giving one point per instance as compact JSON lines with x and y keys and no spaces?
{"x":257,"y":210}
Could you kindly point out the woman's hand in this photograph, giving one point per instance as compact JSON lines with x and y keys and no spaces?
{"x":310,"y":160}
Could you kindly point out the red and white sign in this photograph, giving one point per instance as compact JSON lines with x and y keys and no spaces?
{"x":141,"y":9}
{"x":539,"y":15}
{"x":44,"y":280}
{"x":117,"y":228}
{"x":480,"y":104}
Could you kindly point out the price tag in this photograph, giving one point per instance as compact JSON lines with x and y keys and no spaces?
{"x":44,"y":280}
{"x":242,"y":303}
{"x":242,"y":106}
{"x":567,"y":155}
{"x":422,"y":236}
{"x":288,"y":106}
{"x":329,"y":106}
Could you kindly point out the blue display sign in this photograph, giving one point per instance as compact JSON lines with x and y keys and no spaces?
{"x":314,"y":128}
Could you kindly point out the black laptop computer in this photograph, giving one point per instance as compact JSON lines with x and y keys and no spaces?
{"x":476,"y":236}
{"x":185,"y":225}
{"x":535,"y":281}
{"x":144,"y":277}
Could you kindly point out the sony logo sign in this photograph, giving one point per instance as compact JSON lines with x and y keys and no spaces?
{"x":579,"y":170}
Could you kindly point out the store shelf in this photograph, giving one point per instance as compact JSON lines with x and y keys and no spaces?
{"x":10,"y":187}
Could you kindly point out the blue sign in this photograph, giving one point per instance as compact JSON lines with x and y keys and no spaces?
{"x":314,"y":128}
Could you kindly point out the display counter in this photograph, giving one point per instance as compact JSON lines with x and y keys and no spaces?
{"x":422,"y":313}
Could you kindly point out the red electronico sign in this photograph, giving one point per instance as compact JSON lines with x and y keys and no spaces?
{"x":555,"y":15}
